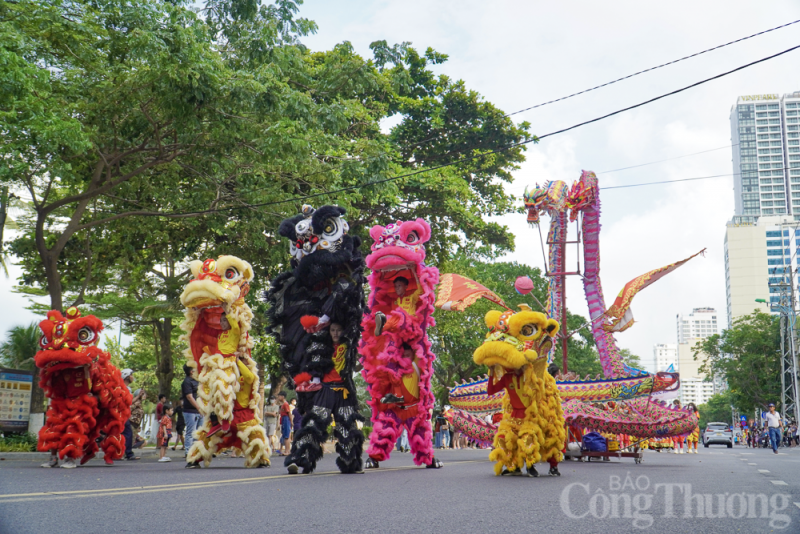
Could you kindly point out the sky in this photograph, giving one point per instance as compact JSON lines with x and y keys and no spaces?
{"x":520,"y":53}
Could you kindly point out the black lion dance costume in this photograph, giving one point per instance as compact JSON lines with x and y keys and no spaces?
{"x":315,"y":315}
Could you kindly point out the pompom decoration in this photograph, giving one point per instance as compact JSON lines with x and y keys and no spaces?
{"x":523,"y":285}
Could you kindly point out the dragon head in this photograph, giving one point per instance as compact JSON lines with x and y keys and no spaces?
{"x":516,"y":340}
{"x":67,"y":341}
{"x":548,"y":198}
{"x":398,"y":245}
{"x":224,"y":281}
{"x":582,"y":194}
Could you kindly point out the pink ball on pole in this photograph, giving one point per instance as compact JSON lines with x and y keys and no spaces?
{"x":523,"y":285}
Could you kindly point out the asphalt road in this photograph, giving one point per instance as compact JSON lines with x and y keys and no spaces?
{"x":760,"y":492}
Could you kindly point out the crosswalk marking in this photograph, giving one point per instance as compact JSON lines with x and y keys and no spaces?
{"x":779,"y":482}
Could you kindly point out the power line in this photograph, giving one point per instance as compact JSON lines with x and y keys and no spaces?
{"x":429,"y":139}
{"x":667,"y":181}
{"x":668,"y":159}
{"x":653,"y":68}
{"x":466,"y":158}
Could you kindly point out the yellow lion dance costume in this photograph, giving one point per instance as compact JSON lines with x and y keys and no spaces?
{"x":532,"y":428}
{"x":217,"y":325}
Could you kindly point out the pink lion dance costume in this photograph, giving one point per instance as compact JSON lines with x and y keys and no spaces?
{"x":395,"y":350}
{"x":89,"y":402}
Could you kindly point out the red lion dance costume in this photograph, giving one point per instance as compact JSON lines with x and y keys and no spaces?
{"x":89,"y":402}
{"x":397,"y":357}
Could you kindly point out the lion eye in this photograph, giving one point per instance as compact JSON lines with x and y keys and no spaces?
{"x":528,"y":330}
{"x":86,"y":335}
{"x":231,"y":273}
{"x":43,"y":341}
{"x":412,"y":237}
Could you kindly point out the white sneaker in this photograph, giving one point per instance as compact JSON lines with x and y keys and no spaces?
{"x":680,"y":451}
{"x":165,"y":459}
{"x":69,"y":464}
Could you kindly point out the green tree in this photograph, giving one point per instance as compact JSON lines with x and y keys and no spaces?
{"x":17,"y":352}
{"x":747,"y":356}
{"x":630,"y":359}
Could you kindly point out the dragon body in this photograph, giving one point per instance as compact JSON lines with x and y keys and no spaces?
{"x":626,"y":391}
{"x":216,"y":330}
{"x":398,"y":358}
{"x":89,"y":402}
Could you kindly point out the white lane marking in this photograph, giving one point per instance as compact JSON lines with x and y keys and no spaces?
{"x":797,"y":504}
{"x":751,"y":464}
{"x":763,"y":471}
{"x":779,"y":482}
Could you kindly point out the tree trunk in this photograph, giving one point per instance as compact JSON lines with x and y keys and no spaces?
{"x":50,"y":263}
{"x":165,"y":370}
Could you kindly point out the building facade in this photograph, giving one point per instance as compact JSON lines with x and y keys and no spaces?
{"x":696,"y":390}
{"x":765,"y":134}
{"x":664,"y":355}
{"x":760,"y":252}
{"x":699,"y":324}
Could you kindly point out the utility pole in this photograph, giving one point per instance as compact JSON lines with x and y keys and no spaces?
{"x":787,"y":307}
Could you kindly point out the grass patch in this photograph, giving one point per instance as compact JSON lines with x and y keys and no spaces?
{"x":18,"y":442}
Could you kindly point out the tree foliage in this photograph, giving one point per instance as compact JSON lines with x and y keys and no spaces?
{"x":144,"y":134}
{"x":717,"y":409}
{"x":748,"y":357}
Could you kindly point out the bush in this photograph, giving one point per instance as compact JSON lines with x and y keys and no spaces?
{"x":18,"y":442}
{"x":367,"y":430}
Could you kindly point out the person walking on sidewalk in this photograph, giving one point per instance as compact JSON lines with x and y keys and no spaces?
{"x":127,"y":378}
{"x":164,"y":432}
{"x":775,"y":426}
{"x":191,"y":410}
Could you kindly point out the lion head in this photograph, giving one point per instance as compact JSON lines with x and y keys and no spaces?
{"x":516,"y":340}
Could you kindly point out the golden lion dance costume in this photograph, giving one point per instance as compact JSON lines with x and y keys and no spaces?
{"x":217,"y":325}
{"x":532,"y":428}
{"x":89,"y":402}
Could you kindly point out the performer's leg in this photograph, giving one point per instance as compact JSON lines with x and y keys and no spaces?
{"x":307,"y":446}
{"x":349,"y":439}
{"x":254,"y":444}
{"x":419,"y":438}
{"x":385,"y":431}
{"x":204,"y":447}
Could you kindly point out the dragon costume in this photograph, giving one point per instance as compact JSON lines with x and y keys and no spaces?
{"x":216,"y":330}
{"x":532,"y":427}
{"x":324,"y":287}
{"x":395,"y":351}
{"x":89,"y":402}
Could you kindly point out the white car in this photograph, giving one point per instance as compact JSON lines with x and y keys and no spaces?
{"x":718,"y":433}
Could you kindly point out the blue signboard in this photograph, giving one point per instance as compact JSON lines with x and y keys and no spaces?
{"x":15,"y":399}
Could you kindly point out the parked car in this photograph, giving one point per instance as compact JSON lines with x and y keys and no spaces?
{"x":718,"y":433}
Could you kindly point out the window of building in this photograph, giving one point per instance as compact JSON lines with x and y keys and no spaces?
{"x":773,"y":261}
{"x":773,"y":106}
{"x":758,"y":106}
{"x":791,"y":105}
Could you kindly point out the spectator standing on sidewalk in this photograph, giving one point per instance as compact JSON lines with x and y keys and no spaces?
{"x":775,"y":425}
{"x":286,"y":424}
{"x":297,"y":419}
{"x":271,"y":419}
{"x":127,"y":378}
{"x":180,"y":426}
{"x":160,"y":406}
{"x":191,"y":410}
{"x":164,"y":432}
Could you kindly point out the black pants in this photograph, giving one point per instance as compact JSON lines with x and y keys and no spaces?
{"x":128,"y":433}
{"x":318,"y":409}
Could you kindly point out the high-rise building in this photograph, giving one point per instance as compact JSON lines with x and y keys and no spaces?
{"x":696,"y":390}
{"x":765,"y":134}
{"x":664,"y":355}
{"x":759,"y":253}
{"x":699,"y":324}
